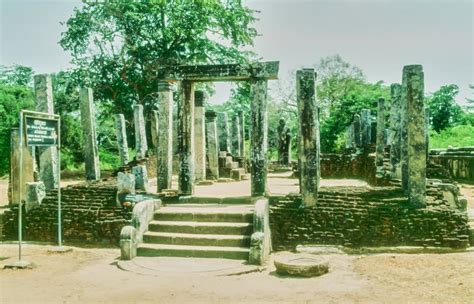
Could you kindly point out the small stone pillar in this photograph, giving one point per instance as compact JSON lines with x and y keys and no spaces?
{"x":165,"y":137}
{"x":395,"y":130}
{"x":427,"y":132}
{"x":356,"y":127}
{"x":380,"y":138}
{"x":141,"y":178}
{"x":349,"y":137}
{"x":284,"y":143}
{"x":365,"y":127}
{"x":91,"y":150}
{"x":224,"y":133}
{"x":125,"y":186}
{"x":48,"y":156}
{"x":186,"y":139}
{"x":212,"y":143}
{"x":199,"y":137}
{"x":27,"y":176}
{"x":141,"y":145}
{"x":236,"y":140}
{"x":308,"y":139}
{"x":35,"y":193}
{"x":120,"y":130}
{"x":242,"y":133}
{"x":259,"y":137}
{"x":415,"y":158}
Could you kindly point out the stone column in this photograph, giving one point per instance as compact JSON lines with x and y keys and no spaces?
{"x":395,"y":130}
{"x":380,"y":138}
{"x":308,"y":139}
{"x":356,"y":127}
{"x":212,"y":143}
{"x":365,"y":127}
{"x":91,"y":150}
{"x":199,"y":137}
{"x":413,"y":99}
{"x":236,"y":140}
{"x":48,"y":156}
{"x":186,"y":139}
{"x":165,"y":137}
{"x":120,"y":130}
{"x":141,"y":145}
{"x":349,"y":136}
{"x":242,"y":133}
{"x":27,"y":171}
{"x":427,"y":132}
{"x":259,"y":137}
{"x":224,"y":134}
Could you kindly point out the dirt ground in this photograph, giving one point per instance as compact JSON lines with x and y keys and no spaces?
{"x":91,"y":276}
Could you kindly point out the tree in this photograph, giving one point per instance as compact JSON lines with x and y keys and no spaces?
{"x":118,"y":45}
{"x":444,"y":111}
{"x":16,"y":75}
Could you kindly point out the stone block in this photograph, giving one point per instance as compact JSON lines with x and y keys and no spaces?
{"x":141,"y":178}
{"x":35,"y":193}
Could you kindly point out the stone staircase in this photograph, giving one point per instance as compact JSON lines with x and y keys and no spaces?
{"x":232,"y":167}
{"x":199,"y":230}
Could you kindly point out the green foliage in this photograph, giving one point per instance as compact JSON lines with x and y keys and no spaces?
{"x":13,"y":98}
{"x":118,"y":45}
{"x":16,"y":75}
{"x":457,"y":136}
{"x":444,"y":111}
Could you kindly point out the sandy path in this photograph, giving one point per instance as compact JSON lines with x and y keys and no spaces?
{"x":90,"y":276}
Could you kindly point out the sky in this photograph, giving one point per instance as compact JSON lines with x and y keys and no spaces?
{"x":378,"y":36}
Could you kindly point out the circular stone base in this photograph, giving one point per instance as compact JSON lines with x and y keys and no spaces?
{"x":301,"y":265}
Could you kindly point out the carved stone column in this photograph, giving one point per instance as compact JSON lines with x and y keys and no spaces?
{"x":91,"y":150}
{"x":186,"y":138}
{"x":212,"y":143}
{"x":199,"y":137}
{"x":120,"y":129}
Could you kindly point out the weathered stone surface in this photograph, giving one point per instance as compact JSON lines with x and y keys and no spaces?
{"x":27,"y":171}
{"x":91,"y":150}
{"x":141,"y":145}
{"x":260,"y":242}
{"x":349,"y":137}
{"x":48,"y":156}
{"x":165,"y":137}
{"x":380,"y":144}
{"x":142,"y":215}
{"x":35,"y":193}
{"x":365,"y":127}
{"x":308,"y":139}
{"x":141,"y":178}
{"x":224,"y":133}
{"x":236,"y":136}
{"x":284,"y":143}
{"x":125,"y":186}
{"x":301,"y":265}
{"x":199,"y":136}
{"x":357,"y":131}
{"x":413,"y":96}
{"x":259,"y":137}
{"x":212,"y":144}
{"x":186,"y":138}
{"x":395,"y":130}
{"x":128,"y":243}
{"x":120,"y":131}
{"x":242,"y":133}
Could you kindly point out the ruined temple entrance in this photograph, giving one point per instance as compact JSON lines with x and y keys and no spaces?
{"x":192,"y":160}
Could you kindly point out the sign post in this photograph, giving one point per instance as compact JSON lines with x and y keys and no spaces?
{"x":37,"y":129}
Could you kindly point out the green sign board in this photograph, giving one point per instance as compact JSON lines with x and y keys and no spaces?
{"x":41,"y":131}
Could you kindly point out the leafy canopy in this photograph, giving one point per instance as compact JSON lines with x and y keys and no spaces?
{"x":444,"y":111}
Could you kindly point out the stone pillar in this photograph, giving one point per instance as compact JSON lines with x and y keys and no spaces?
{"x":141,"y":145}
{"x":15,"y":194}
{"x":284,"y":143}
{"x":141,"y":178}
{"x":165,"y":137}
{"x":413,"y":99}
{"x":308,"y":139}
{"x":91,"y":150}
{"x":186,"y":139}
{"x":242,"y":133}
{"x":224,"y":134}
{"x":199,"y":137}
{"x":212,"y":143}
{"x":259,"y":137}
{"x":427,"y":132}
{"x":236,"y":140}
{"x":48,"y":156}
{"x":356,"y":127}
{"x":365,"y":127}
{"x":380,"y":138}
{"x":120,"y":130}
{"x":395,"y":130}
{"x":349,"y":136}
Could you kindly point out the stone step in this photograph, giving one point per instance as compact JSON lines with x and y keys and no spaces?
{"x":201,"y":227}
{"x":237,"y":173}
{"x":175,"y":214}
{"x":193,"y":251}
{"x":196,"y":239}
{"x":246,"y":176}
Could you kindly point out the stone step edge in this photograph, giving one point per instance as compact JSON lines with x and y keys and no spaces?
{"x":198,"y":236}
{"x":193,"y":248}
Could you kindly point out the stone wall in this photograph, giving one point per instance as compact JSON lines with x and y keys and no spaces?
{"x":360,"y":217}
{"x":89,"y":212}
{"x":459,"y":162}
